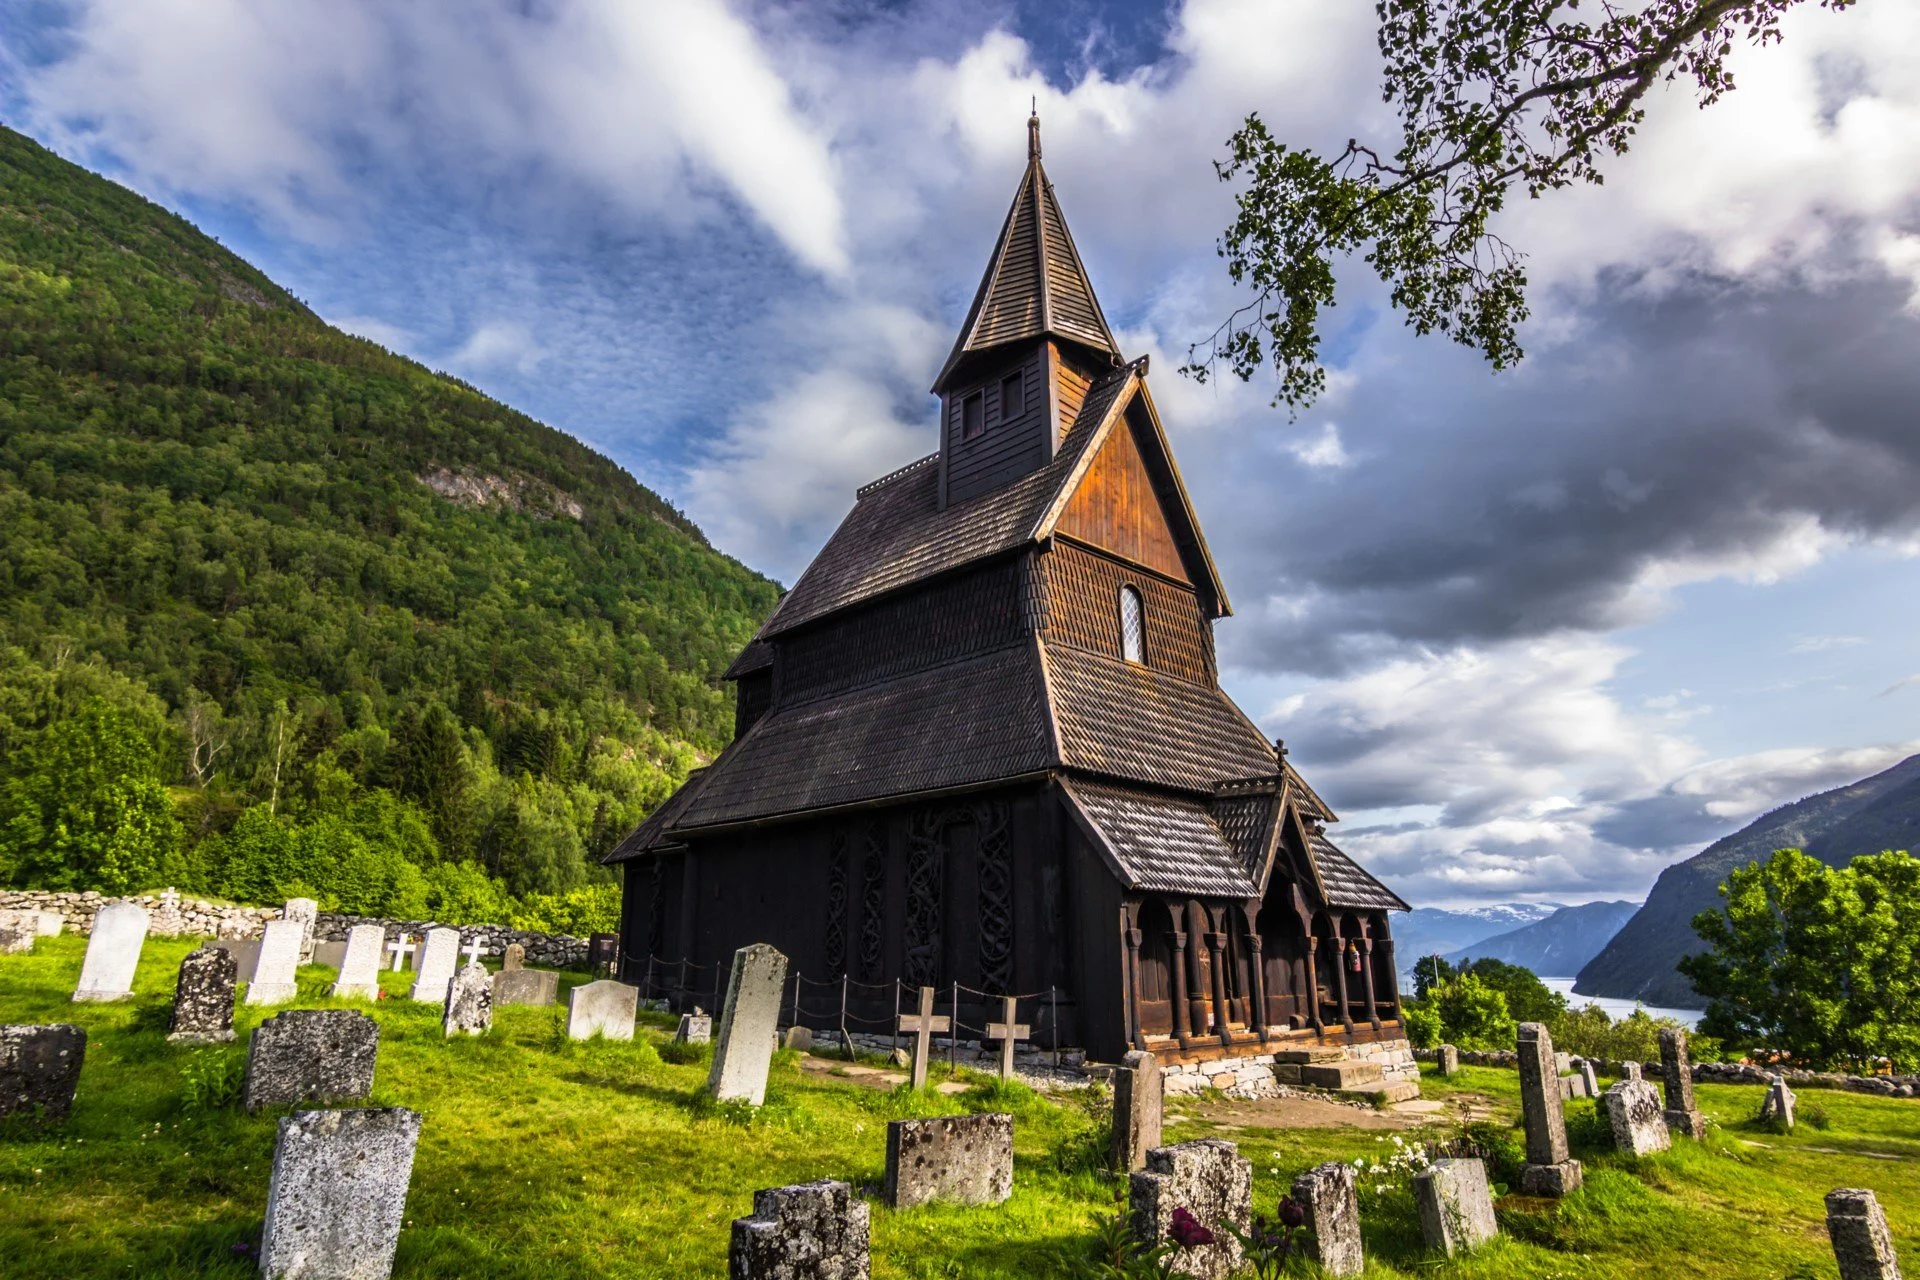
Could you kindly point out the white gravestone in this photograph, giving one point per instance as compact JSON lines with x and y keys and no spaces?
{"x":338,"y":1194}
{"x":113,"y":952}
{"x":360,"y":967}
{"x":437,"y":959}
{"x":743,"y":1046}
{"x":276,"y":976}
{"x":52,"y":924}
{"x":603,"y":1008}
{"x":307,"y":912}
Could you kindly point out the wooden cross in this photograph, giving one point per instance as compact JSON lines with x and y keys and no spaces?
{"x":473,"y":951}
{"x":923,"y":1025}
{"x":1008,"y":1033}
{"x":402,"y":947}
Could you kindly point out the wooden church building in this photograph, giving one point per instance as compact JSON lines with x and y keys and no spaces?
{"x":982,"y":741}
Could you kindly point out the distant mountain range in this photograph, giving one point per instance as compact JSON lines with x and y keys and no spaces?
{"x":1881,"y":812}
{"x":1559,"y":945}
{"x":1434,"y":931}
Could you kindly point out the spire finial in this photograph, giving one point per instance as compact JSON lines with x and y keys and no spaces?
{"x":1033,"y":131}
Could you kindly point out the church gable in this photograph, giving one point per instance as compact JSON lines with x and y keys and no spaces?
{"x":1118,"y":509}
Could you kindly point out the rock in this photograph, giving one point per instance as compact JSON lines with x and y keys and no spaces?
{"x":1139,"y":1106}
{"x":311,"y":1055}
{"x":469,"y":1009}
{"x":743,"y":1049}
{"x":40,"y":1070}
{"x":360,"y":964}
{"x":113,"y":953}
{"x":1214,"y":1185}
{"x":1550,"y":1170}
{"x":18,"y":932}
{"x":338,"y":1193}
{"x":1333,"y":1215}
{"x":203,"y":998}
{"x":813,"y":1231}
{"x":434,"y":966}
{"x":1449,"y":1060}
{"x":1456,"y":1205}
{"x":1862,"y":1245}
{"x":525,"y":986}
{"x":604,"y":1008}
{"x":276,"y":976}
{"x":965,"y":1159}
{"x":900,"y":1058}
{"x":800,"y":1038}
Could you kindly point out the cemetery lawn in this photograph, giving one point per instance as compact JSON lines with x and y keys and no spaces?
{"x":544,"y":1158}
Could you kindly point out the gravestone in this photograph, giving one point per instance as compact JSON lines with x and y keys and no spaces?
{"x":1779,"y":1103}
{"x":1630,"y":1071}
{"x":311,"y":1055}
{"x":276,"y":976}
{"x":167,"y":921}
{"x":360,"y":965}
{"x":1333,"y":1215}
{"x":964,"y":1159}
{"x":1590,"y":1078}
{"x":514,"y":957}
{"x":695,"y":1027}
{"x":245,"y":953}
{"x":401,"y":949}
{"x":435,"y":967}
{"x":52,"y":924}
{"x":1213,"y":1183}
{"x":1139,"y":1108}
{"x":330,"y":954}
{"x":603,"y":954}
{"x":1862,"y":1245}
{"x":799,"y":1038}
{"x":307,"y":912}
{"x":1550,"y":1169}
{"x":813,"y":1231}
{"x":469,"y":1002}
{"x":604,"y":1008}
{"x":203,"y":998}
{"x":1449,"y":1060}
{"x":525,"y":986}
{"x":1676,"y":1071}
{"x":743,"y":1049}
{"x":1456,"y":1205}
{"x":39,"y":1070}
{"x":19,"y":930}
{"x":1639,"y":1127}
{"x":1009,"y":1032}
{"x":922,"y":1024}
{"x":338,"y":1194}
{"x":113,"y":952}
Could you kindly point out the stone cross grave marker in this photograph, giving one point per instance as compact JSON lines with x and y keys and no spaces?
{"x":338,"y":1193}
{"x":695,"y":1027}
{"x":307,"y":912}
{"x":360,"y":966}
{"x":1009,"y":1033}
{"x":514,"y":957}
{"x":113,"y":952}
{"x":1333,"y":1215}
{"x":963,"y":1159}
{"x":402,"y":949}
{"x":1456,"y":1205}
{"x":1449,"y":1060}
{"x":469,"y":1002}
{"x":1550,"y":1168}
{"x":311,"y":1055}
{"x":1213,"y":1183}
{"x":39,"y":1070}
{"x":1862,"y":1245}
{"x":1139,"y":1106}
{"x":1633,"y":1110}
{"x":203,"y":998}
{"x":167,"y":921}
{"x":1682,"y":1114}
{"x":603,"y":1008}
{"x":1779,"y":1103}
{"x":474,"y":951}
{"x":923,"y":1024}
{"x":18,"y":931}
{"x":275,"y":976}
{"x":435,"y":971}
{"x":743,"y":1048}
{"x":812,"y":1231}
{"x":525,"y":986}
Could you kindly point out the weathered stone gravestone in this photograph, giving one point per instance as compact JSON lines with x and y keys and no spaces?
{"x":514,"y":957}
{"x":203,"y":998}
{"x":401,"y":949}
{"x":1682,"y":1114}
{"x":1630,"y":1071}
{"x":360,"y":967}
{"x":1449,"y":1060}
{"x":695,"y":1027}
{"x":525,"y":986}
{"x":469,"y":1002}
{"x":338,"y":1194}
{"x":276,"y":975}
{"x":1212,"y":1182}
{"x":1139,"y":1108}
{"x":40,"y":1069}
{"x":1333,"y":1215}
{"x":965,"y":1159}
{"x":798,"y":1038}
{"x":52,"y":924}
{"x":1779,"y":1103}
{"x":1633,"y":1110}
{"x":1456,"y":1205}
{"x":1590,"y":1078}
{"x":19,"y":930}
{"x":311,"y":1055}
{"x":743,"y":1050}
{"x":435,"y":966}
{"x":1862,"y":1245}
{"x":922,"y":1024}
{"x":1550,"y":1168}
{"x":113,"y":952}
{"x":813,"y":1231}
{"x":332,"y":955}
{"x":603,"y":1008}
{"x":307,"y":912}
{"x":245,"y":953}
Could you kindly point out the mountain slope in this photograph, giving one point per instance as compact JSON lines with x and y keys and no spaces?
{"x":1434,"y":931}
{"x":1881,"y":812}
{"x":1559,"y":945}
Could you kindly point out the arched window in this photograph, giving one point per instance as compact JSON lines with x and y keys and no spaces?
{"x":1133,"y":646}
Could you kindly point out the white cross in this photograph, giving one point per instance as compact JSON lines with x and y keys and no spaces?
{"x":473,"y":951}
{"x":169,"y":899}
{"x":401,"y":947}
{"x":923,"y":1025}
{"x":1008,"y":1033}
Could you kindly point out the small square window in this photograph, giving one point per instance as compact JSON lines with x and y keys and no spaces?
{"x":973,"y":416}
{"x":1013,"y":397}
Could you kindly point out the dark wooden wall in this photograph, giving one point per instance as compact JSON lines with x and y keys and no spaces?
{"x":1010,"y":446}
{"x":1081,"y":589}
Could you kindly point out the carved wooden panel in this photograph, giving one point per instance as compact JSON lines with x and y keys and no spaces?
{"x":873,"y":904}
{"x":926,"y":882}
{"x":996,"y":896}
{"x":837,"y":884}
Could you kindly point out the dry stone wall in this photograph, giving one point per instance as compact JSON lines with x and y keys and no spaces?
{"x":1718,"y":1073}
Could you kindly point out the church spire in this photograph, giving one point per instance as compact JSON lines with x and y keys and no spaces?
{"x":1035,"y":285}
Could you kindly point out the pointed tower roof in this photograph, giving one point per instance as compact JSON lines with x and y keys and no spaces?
{"x":1035,"y":284}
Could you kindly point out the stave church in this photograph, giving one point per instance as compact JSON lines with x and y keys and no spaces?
{"x":982,"y":745}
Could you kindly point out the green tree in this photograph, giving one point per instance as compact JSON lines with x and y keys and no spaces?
{"x":1528,"y":998}
{"x":427,"y":764}
{"x":1471,"y":1014}
{"x":1429,"y":972}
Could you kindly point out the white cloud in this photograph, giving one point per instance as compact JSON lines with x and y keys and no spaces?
{"x":391,"y":336}
{"x":1821,"y":644}
{"x":1324,"y":451}
{"x":499,"y":345}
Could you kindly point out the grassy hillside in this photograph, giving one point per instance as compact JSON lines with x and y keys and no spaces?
{"x":207,"y":491}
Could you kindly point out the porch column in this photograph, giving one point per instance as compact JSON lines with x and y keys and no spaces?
{"x":1180,"y":1024}
{"x":1393,"y":978}
{"x":1222,"y":1007}
{"x":1373,"y":995}
{"x":1340,"y":979}
{"x":1313,"y":984}
{"x":1137,"y":1033}
{"x":1257,"y":999}
{"x":1200,"y":1017}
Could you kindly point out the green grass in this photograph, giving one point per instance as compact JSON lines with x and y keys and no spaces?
{"x":540,"y":1157}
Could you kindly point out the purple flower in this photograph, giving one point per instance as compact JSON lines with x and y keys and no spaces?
{"x":1292,"y":1212}
{"x":1187,"y":1231}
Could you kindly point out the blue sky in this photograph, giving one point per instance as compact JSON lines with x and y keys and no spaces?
{"x":1536,"y":635}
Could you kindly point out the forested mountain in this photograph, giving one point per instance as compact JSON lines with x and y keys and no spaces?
{"x":1869,"y":816}
{"x":1558,"y":946}
{"x":299,"y":573}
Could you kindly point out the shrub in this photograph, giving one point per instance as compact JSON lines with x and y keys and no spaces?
{"x":211,"y":1080}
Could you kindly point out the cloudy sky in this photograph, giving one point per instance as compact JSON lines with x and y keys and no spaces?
{"x":1535,"y":634}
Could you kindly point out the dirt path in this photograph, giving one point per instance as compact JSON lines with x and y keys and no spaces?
{"x":1302,"y":1112}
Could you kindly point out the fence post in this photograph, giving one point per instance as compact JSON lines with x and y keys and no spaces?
{"x":685,"y":990}
{"x":896,"y":1015}
{"x":953,"y":1032}
{"x":717,"y":996}
{"x":1053,"y":994}
{"x":796,"y":999}
{"x":846,"y":1041}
